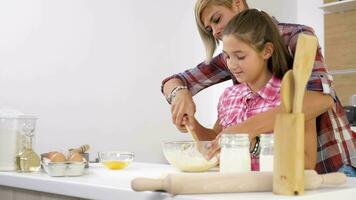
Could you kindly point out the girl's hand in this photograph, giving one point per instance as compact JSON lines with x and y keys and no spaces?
{"x":182,"y":109}
{"x":214,"y":148}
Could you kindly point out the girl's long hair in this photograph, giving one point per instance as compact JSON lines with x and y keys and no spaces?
{"x":256,"y":28}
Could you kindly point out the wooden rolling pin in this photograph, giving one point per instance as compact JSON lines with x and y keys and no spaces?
{"x":215,"y":182}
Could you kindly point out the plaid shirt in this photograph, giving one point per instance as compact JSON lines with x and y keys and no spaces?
{"x":239,"y":102}
{"x":336,"y":142}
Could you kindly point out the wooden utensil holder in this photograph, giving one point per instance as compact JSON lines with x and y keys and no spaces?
{"x":288,"y":173}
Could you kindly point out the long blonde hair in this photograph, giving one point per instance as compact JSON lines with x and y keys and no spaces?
{"x":210,"y":43}
{"x":256,"y":28}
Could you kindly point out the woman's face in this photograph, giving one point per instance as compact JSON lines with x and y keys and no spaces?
{"x":245,"y":63}
{"x":215,"y":18}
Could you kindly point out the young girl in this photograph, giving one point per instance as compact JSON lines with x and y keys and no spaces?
{"x":256,"y":57}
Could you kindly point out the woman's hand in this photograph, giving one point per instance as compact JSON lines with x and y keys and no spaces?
{"x":182,"y":109}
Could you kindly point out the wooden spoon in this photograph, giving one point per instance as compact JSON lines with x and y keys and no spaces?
{"x":302,"y":67}
{"x":200,"y":146}
{"x":287,"y":91}
{"x":192,"y":133}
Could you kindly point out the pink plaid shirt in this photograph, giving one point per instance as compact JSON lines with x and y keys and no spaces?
{"x":239,"y":102}
{"x":336,"y":144}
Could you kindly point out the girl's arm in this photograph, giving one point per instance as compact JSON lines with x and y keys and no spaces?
{"x":206,"y":134}
{"x":310,"y":144}
{"x":314,"y":104}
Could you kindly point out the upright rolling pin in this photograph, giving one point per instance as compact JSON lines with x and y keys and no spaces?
{"x":215,"y":182}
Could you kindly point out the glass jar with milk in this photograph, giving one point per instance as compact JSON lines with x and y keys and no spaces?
{"x":266,"y":155}
{"x":235,"y":153}
{"x":12,"y":137}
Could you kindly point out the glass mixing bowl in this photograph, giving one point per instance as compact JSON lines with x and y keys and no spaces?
{"x":188,"y":156}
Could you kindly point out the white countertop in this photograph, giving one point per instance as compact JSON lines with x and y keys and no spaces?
{"x":100,"y":183}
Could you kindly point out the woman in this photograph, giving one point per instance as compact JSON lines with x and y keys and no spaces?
{"x":336,"y":142}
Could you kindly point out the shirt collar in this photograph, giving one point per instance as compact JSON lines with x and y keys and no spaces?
{"x":271,"y":90}
{"x":268,"y":92}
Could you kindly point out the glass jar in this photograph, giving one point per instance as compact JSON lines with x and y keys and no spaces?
{"x":235,"y":153}
{"x":28,"y":160}
{"x":12,"y":133}
{"x":266,"y":155}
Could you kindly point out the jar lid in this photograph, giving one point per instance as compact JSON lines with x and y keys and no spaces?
{"x":267,"y":135}
{"x":235,"y":139}
{"x":9,"y":113}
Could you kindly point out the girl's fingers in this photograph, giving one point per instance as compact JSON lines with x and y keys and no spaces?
{"x":213,"y":149}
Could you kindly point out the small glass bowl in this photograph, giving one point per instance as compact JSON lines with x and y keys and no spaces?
{"x":115,"y":160}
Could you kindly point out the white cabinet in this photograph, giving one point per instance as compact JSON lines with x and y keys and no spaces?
{"x":339,"y":6}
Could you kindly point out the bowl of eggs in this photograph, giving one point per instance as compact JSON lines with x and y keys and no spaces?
{"x":58,"y":164}
{"x":115,"y":160}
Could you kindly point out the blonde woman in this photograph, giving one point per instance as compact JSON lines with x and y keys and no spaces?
{"x":335,"y":140}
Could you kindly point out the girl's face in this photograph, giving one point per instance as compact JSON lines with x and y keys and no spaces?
{"x":246,"y":63}
{"x":215,"y":18}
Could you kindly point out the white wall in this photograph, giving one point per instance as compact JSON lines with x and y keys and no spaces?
{"x":91,"y":70}
{"x":284,"y":11}
{"x":311,"y":15}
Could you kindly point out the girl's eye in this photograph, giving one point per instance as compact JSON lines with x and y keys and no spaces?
{"x":240,"y":57}
{"x":208,"y":30}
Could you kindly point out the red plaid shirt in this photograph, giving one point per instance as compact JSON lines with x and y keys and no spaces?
{"x":336,"y":142}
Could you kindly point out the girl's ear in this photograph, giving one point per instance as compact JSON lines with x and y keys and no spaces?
{"x":239,"y":5}
{"x":268,"y":50}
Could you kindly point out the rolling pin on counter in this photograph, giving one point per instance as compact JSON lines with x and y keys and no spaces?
{"x":98,"y":182}
{"x":205,"y":183}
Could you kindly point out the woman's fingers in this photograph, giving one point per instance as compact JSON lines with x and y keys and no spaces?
{"x":182,"y":106}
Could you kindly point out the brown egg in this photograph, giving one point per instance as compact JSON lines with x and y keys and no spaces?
{"x":50,"y":154}
{"x":56,"y":157}
{"x":75,"y":157}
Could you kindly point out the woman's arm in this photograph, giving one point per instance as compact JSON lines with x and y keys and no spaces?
{"x":196,"y":79}
{"x":310,"y":148}
{"x":182,"y":104}
{"x":314,"y":104}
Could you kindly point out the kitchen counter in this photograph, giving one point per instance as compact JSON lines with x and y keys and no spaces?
{"x":101,"y":183}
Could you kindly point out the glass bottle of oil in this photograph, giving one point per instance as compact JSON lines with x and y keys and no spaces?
{"x":27,"y":160}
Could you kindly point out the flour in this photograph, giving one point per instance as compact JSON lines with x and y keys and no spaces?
{"x":266,"y":163}
{"x":8,"y":149}
{"x":235,"y":160}
{"x":189,"y":159}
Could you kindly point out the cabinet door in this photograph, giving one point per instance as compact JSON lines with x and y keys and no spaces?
{"x":340,"y":40}
{"x":340,"y":51}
